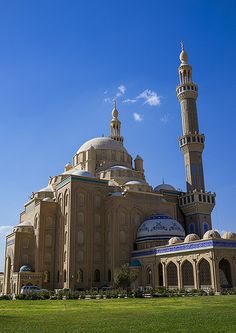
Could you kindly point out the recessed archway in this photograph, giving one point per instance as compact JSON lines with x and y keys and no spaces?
{"x":172,"y":276}
{"x":225,"y":274}
{"x":187,"y":274}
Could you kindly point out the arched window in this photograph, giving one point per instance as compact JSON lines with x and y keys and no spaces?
{"x":191,"y":228}
{"x":64,"y":275}
{"x":225,"y":274}
{"x":205,"y":227}
{"x":172,"y":278}
{"x":149,"y":277}
{"x":97,"y":275}
{"x":46,"y":277}
{"x":187,"y":274}
{"x":66,"y":199}
{"x":109,"y":275}
{"x":80,"y":276}
{"x":204,"y":273}
{"x":160,"y":271}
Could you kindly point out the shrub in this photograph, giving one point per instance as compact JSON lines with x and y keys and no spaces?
{"x":6,"y":297}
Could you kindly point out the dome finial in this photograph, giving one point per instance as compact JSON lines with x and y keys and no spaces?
{"x":183,"y":55}
{"x":115,"y":111}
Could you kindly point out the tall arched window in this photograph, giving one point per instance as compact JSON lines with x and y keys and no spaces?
{"x":205,"y":227}
{"x":187,"y":274}
{"x":191,"y":228}
{"x":109,"y":275}
{"x":149,"y":276}
{"x":80,"y":276}
{"x":172,"y":277}
{"x":160,"y":274}
{"x":64,"y":275}
{"x":204,"y":273}
{"x":97,"y":275}
{"x":225,"y":274}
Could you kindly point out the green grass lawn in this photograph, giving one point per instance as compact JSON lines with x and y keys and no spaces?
{"x":215,"y":314}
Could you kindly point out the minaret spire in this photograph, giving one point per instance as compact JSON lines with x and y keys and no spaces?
{"x":115,"y":125}
{"x":191,"y":141}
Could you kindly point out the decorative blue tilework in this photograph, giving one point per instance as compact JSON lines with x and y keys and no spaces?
{"x":185,"y":247}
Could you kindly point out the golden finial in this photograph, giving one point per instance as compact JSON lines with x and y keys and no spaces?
{"x":182,"y":45}
{"x":114,"y":111}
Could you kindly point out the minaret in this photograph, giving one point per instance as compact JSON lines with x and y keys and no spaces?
{"x":191,"y":142}
{"x":115,"y":125}
{"x":195,"y":203}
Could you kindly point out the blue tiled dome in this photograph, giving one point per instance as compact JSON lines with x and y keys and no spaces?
{"x":25,"y":268}
{"x":135,"y":263}
{"x":159,"y":226}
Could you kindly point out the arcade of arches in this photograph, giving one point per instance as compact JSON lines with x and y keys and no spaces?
{"x":193,"y":271}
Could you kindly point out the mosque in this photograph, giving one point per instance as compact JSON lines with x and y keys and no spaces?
{"x":100,"y":213}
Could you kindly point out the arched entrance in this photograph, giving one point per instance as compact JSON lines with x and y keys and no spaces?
{"x":187,"y":274}
{"x":172,"y":277}
{"x":204,"y":274}
{"x":225,"y":274}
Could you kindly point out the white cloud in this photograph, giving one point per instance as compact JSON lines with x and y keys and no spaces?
{"x":105,"y":92}
{"x":138,"y":117}
{"x":164,"y":119}
{"x":107,"y":100}
{"x":129,"y":101}
{"x":150,"y":97}
{"x":5,"y":230}
{"x":121,"y":90}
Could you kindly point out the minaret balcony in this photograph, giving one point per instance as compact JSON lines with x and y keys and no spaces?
{"x":193,"y":141}
{"x":197,"y":198}
{"x":187,"y":90}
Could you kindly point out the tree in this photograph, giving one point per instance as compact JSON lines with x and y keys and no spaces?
{"x":124,"y":276}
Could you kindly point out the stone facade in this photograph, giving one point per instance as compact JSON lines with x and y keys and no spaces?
{"x":100,"y":213}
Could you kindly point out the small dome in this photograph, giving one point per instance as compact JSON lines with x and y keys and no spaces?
{"x":211,"y":234}
{"x":82,"y":173}
{"x":24,"y":224}
{"x":175,"y":240}
{"x":166,"y":187}
{"x":46,"y":189}
{"x":159,"y":226}
{"x":191,"y":238}
{"x":135,"y":263}
{"x":183,"y":57}
{"x":48,"y":199}
{"x":102,"y":143}
{"x":25,"y":268}
{"x":118,"y":167}
{"x":229,"y":235}
{"x":135,"y":182}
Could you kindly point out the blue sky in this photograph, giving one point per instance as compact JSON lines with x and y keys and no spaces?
{"x":61,"y":62}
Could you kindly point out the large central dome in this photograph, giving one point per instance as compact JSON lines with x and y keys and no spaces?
{"x":102,"y":143}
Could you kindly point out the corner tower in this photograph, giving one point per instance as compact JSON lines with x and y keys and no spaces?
{"x":196,"y":203}
{"x":115,"y":126}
